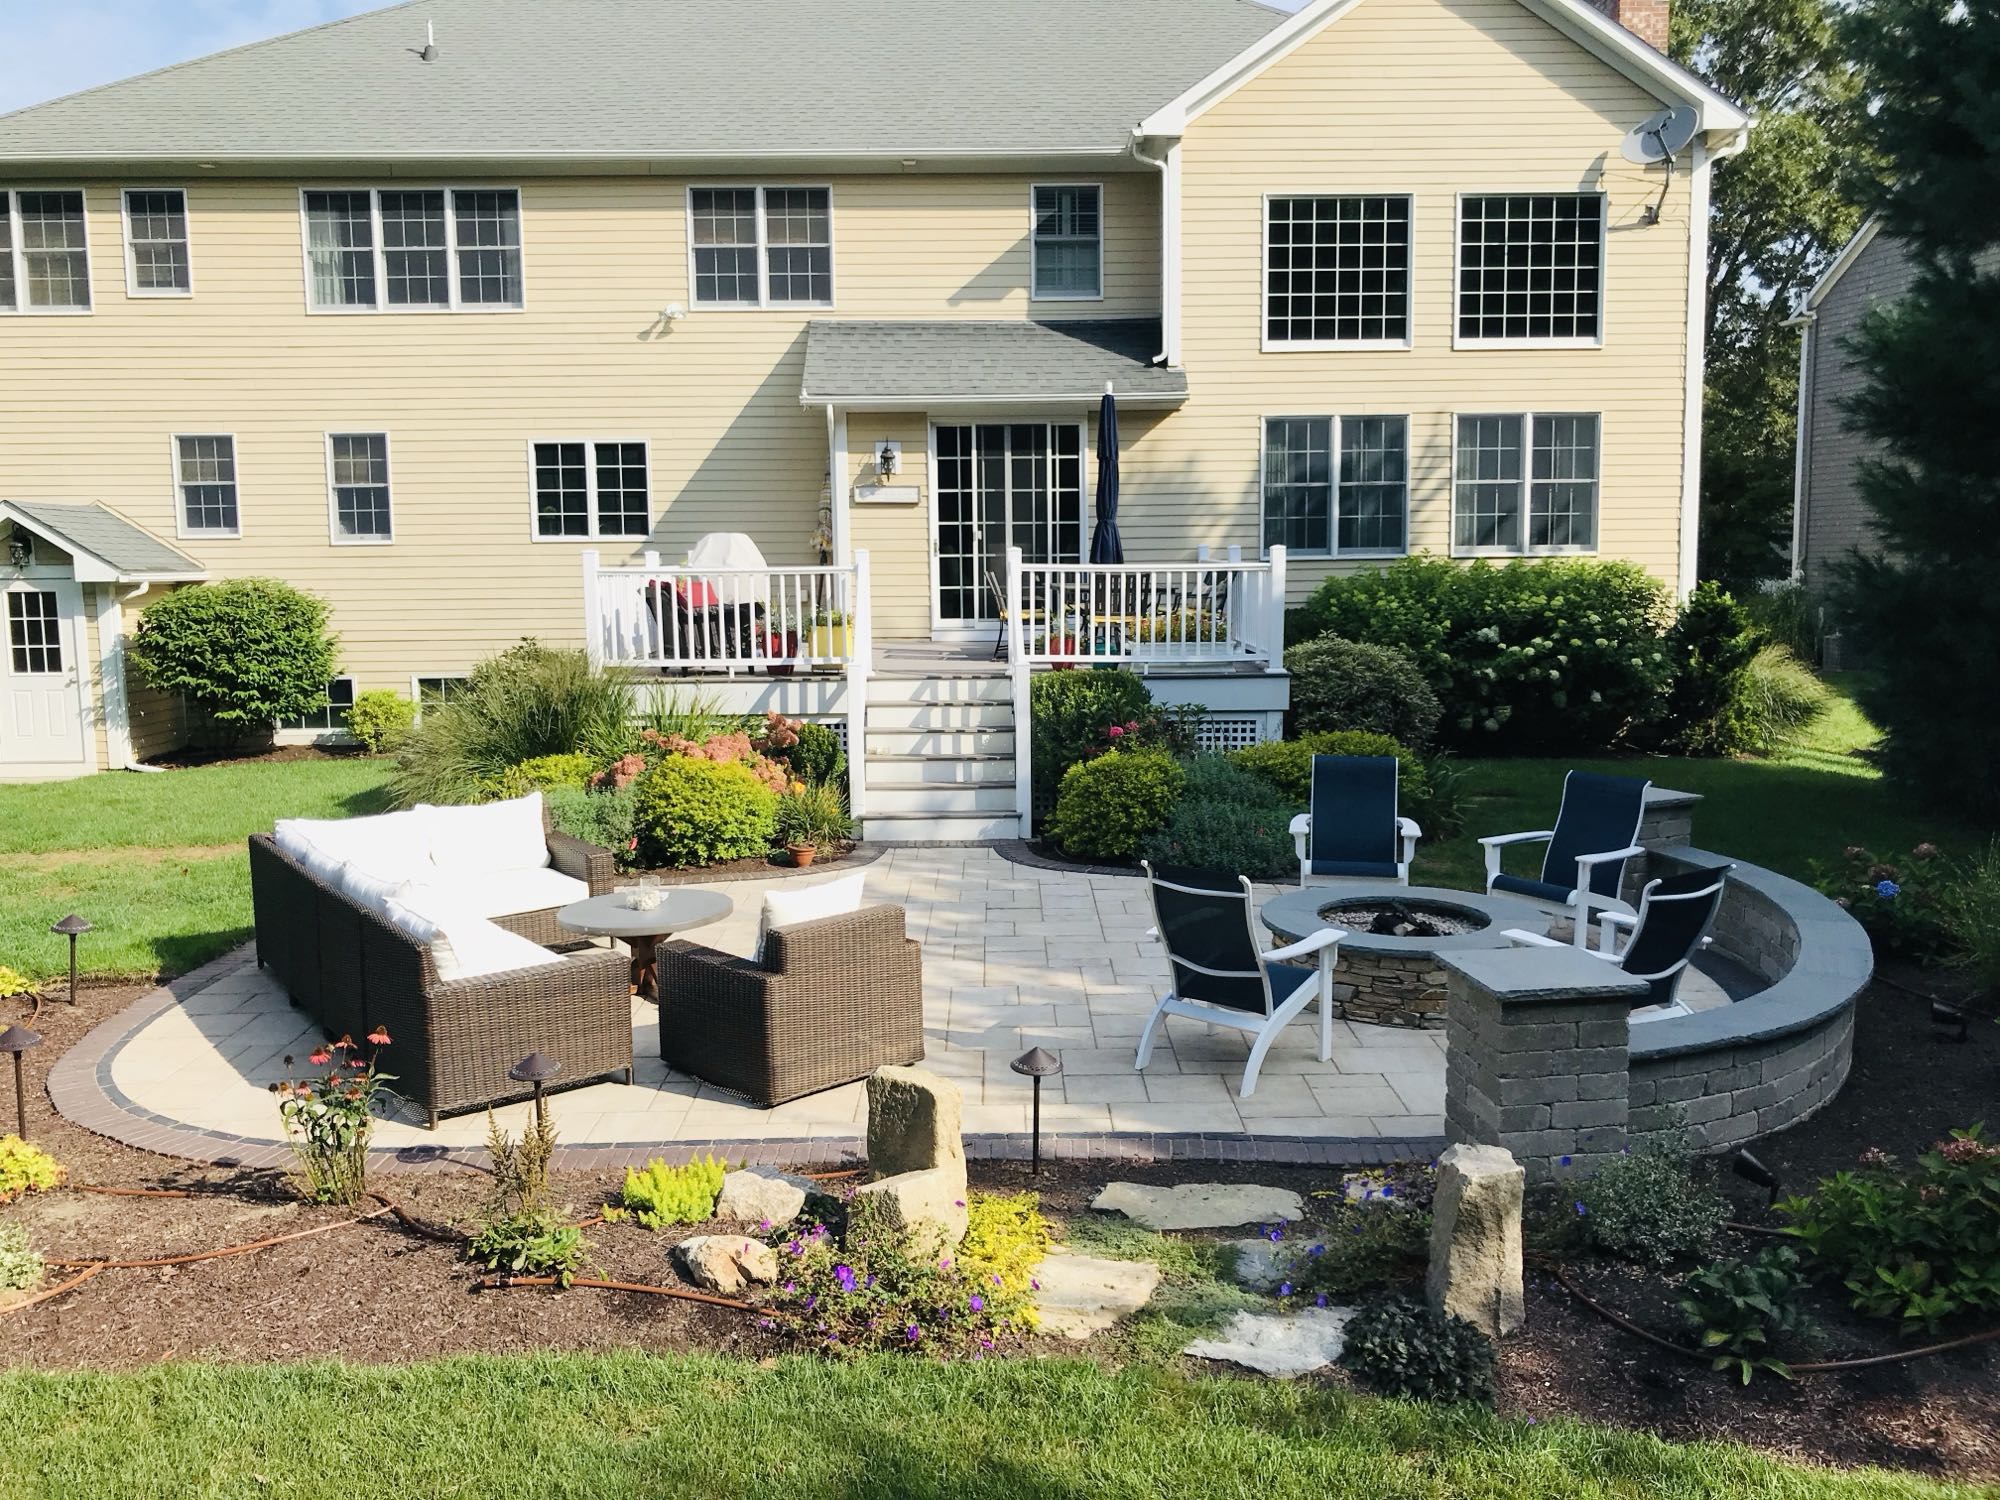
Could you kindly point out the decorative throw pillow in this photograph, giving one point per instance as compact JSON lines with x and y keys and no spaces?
{"x":492,"y":836}
{"x":832,"y":898}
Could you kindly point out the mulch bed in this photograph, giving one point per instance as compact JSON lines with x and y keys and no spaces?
{"x":378,"y":1292}
{"x":767,"y":866}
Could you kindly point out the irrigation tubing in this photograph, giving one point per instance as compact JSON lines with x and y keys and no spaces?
{"x":509,"y":1283}
{"x":1816,"y":1367}
{"x":55,"y":1291}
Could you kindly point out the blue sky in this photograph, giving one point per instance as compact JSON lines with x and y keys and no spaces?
{"x":55,"y":49}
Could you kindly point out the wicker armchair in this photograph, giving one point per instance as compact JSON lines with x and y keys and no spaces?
{"x":830,"y":1002}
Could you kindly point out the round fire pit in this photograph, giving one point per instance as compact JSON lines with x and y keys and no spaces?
{"x":1387,"y":972}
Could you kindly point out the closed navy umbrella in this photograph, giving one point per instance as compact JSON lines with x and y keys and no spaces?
{"x":1104,"y":544}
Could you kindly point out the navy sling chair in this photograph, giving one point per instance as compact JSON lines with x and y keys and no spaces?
{"x":1354,"y":831}
{"x":1207,"y":922}
{"x":1669,"y":929}
{"x":1596,"y":832}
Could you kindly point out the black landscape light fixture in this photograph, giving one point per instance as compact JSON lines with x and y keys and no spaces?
{"x":537,"y":1070}
{"x":1948,"y":1023}
{"x":72,"y":927}
{"x":1037,"y":1063}
{"x":1751,"y":1170}
{"x":17,"y":1040}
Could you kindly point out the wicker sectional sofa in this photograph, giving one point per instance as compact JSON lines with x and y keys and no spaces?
{"x":351,"y":968}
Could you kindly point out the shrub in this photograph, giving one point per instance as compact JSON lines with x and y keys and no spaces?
{"x":15,"y":985}
{"x":21,"y":1268}
{"x":1378,"y":1239}
{"x":734,"y":748}
{"x":1649,"y":1206}
{"x":1339,"y":684}
{"x":244,"y":653}
{"x":1287,"y":766}
{"x":1237,"y":838}
{"x":1921,"y":1245}
{"x":26,"y":1169}
{"x":329,"y":1118}
{"x":1072,"y":715}
{"x":1779,"y":699}
{"x":697,"y":716}
{"x":1788,"y":616}
{"x":1535,"y":657}
{"x":699,"y":812}
{"x":817,"y":759}
{"x":528,"y":702}
{"x":544,"y":773}
{"x":1903,"y":906}
{"x":1006,"y":1237}
{"x":1213,"y":777}
{"x":816,"y":814}
{"x":601,"y":818}
{"x":662,"y":1195}
{"x":381,"y":719}
{"x":1971,"y":902}
{"x":520,"y":1185}
{"x":1397,"y":1346}
{"x":1743,"y":1308}
{"x":1107,"y":805}
{"x":1709,"y":649}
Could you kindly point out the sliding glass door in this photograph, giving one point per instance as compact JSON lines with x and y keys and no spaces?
{"x":999,"y":485}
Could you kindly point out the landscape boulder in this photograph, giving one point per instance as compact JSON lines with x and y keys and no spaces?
{"x":758,"y":1195}
{"x":726,"y":1263}
{"x":916,"y":1151}
{"x":1475,"y":1270}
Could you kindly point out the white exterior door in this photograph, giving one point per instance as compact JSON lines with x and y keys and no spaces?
{"x":1000,"y":484}
{"x":41,"y":678}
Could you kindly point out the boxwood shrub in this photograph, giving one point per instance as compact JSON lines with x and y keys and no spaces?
{"x":1341,"y":684}
{"x":245,"y":653}
{"x":1286,"y":765}
{"x":1105,"y":806}
{"x":690,"y":812}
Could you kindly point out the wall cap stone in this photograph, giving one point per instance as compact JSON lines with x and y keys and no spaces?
{"x":1543,"y":976}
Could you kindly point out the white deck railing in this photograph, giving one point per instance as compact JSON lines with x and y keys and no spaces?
{"x":1203,"y":612}
{"x":724,"y":619}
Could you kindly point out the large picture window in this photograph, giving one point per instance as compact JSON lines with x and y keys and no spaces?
{"x":1336,"y":271}
{"x":759,"y":247}
{"x":1531,"y":268}
{"x":1337,"y":485}
{"x":44,"y":251}
{"x":1527,"y":483}
{"x":413,"y":249}
{"x":1067,"y":247}
{"x":590,"y":489}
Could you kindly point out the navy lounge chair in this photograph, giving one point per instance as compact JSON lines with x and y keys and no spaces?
{"x":1221,"y":976}
{"x":1597,"y":830}
{"x":1354,"y":831}
{"x":1671,"y":927}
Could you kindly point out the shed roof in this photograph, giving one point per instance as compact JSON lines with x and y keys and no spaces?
{"x":108,"y":548}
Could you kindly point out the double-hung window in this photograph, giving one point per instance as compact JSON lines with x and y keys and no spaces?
{"x":331,"y":715}
{"x":1336,"y":272}
{"x":1531,"y":268}
{"x":1067,"y":246}
{"x":413,"y":249}
{"x":1336,"y":486}
{"x":590,"y":489}
{"x":205,"y":474}
{"x":1527,"y":483}
{"x":44,"y":251}
{"x":156,"y":243}
{"x":761,"y":246}
{"x":357,"y":466}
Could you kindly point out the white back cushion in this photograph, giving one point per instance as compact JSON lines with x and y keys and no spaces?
{"x":832,"y":898}
{"x":389,"y":846}
{"x":463,"y":944}
{"x":493,"y":836}
{"x":367,"y":890}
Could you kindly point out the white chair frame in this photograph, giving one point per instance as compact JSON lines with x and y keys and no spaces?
{"x":1582,"y":901}
{"x":1627,"y":923}
{"x":1407,"y":833}
{"x":1277,"y":1015}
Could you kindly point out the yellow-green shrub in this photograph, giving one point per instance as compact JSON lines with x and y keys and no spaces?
{"x":702,"y":812}
{"x":572,"y":769}
{"x":1005,"y":1239}
{"x":26,"y":1169}
{"x":662,"y":1195}
{"x":381,"y":719}
{"x":1107,"y":805}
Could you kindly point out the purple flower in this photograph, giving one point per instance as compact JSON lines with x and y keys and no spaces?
{"x":913,"y":1333}
{"x":845,"y":1276}
{"x":997,"y":1281}
{"x":1531,"y":1421}
{"x":766,"y":1324}
{"x":1274,"y":1233}
{"x":1284,"y":1289}
{"x":812,"y":1302}
{"x":1888,"y":890}
{"x":764,"y":1224}
{"x":791,"y":1286}
{"x":870,"y":1281}
{"x":1320,"y":1300}
{"x":1316,"y":1251}
{"x":1036,"y":1285}
{"x":1563,"y":1159}
{"x":1388,"y":1192}
{"x":1581,"y":1211}
{"x":976,"y":1302}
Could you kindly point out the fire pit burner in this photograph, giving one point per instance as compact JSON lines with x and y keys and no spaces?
{"x":1404,"y":919}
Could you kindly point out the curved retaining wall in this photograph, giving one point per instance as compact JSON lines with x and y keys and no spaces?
{"x":1736,"y":1072}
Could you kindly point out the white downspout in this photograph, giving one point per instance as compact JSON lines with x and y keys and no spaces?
{"x":1705,"y":157}
{"x":1170,"y":249}
{"x":1807,"y":325}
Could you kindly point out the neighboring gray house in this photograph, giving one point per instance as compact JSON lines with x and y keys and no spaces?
{"x":1829,"y":519}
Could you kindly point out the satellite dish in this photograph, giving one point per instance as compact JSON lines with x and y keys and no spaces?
{"x":1662,"y":138}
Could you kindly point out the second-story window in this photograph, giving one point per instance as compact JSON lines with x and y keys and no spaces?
{"x":1336,"y":271}
{"x":44,"y":251}
{"x":1530,"y":268}
{"x":205,"y":469}
{"x":413,"y":249}
{"x":156,"y":243}
{"x":1068,"y":243}
{"x":761,"y":246}
{"x":358,"y":476}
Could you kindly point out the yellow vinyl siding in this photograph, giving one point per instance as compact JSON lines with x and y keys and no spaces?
{"x":1430,"y":98}
{"x":897,"y":538}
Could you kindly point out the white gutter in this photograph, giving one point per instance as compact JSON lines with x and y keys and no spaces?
{"x":1170,"y":247}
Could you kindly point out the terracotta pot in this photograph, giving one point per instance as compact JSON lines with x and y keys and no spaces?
{"x":802,"y":854}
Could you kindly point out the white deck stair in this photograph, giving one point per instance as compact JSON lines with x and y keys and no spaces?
{"x":940,"y":752}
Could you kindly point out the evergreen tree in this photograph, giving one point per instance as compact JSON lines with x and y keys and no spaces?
{"x":1928,"y":607}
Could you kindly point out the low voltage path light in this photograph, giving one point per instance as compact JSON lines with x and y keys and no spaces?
{"x":538,"y":1070}
{"x":1948,"y":1023}
{"x":72,"y":927}
{"x":1746,"y":1166}
{"x":1037,"y":1063}
{"x":17,"y":1040}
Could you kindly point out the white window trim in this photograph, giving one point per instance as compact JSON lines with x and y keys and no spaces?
{"x":132,"y":287}
{"x":1334,"y":552}
{"x":182,"y":531}
{"x":1527,"y":480}
{"x":1034,"y":257}
{"x":763,"y":302}
{"x":417,"y":678}
{"x":1458,"y":341}
{"x":332,"y":496}
{"x":10,"y":207}
{"x":1269,"y":345}
{"x":382,"y":306}
{"x":590,"y":492}
{"x":305,"y":735}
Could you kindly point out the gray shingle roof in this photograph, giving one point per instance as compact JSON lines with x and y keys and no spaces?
{"x":131,"y":551}
{"x":664,"y":79}
{"x":849,"y":363}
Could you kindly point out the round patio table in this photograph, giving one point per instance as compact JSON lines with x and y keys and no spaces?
{"x":643,"y":931}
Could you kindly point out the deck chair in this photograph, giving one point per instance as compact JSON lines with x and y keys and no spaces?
{"x":1597,"y":830}
{"x":1000,"y":609}
{"x":1669,"y":929}
{"x":1207,"y":923}
{"x":1353,"y":830}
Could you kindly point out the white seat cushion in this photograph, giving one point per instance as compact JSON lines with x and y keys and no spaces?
{"x":832,"y":898}
{"x":498,"y":893}
{"x":389,"y":846}
{"x":464,"y":945}
{"x":477,"y":841}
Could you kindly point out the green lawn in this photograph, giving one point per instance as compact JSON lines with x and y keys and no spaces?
{"x":579,"y":1427}
{"x":1787,"y":813}
{"x":155,"y":861}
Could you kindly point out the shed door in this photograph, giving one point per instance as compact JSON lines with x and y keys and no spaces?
{"x":41,"y":677}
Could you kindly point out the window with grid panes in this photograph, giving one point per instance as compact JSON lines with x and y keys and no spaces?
{"x":1562,"y":490}
{"x":207,"y":477}
{"x":1068,"y":248}
{"x":1540,"y":500}
{"x":1298,"y":483}
{"x":1374,"y":497}
{"x":799,"y":234}
{"x":488,"y":224}
{"x":34,"y":637}
{"x":330,"y":715}
{"x":1487,"y":506}
{"x":9,"y":294}
{"x":438,"y":249}
{"x":340,"y":249}
{"x":50,"y":268}
{"x":415,"y":260}
{"x":591,"y":489}
{"x":157,"y":231}
{"x":757,"y":247}
{"x":360,"y":465}
{"x":1337,"y":270}
{"x":1530,"y":266}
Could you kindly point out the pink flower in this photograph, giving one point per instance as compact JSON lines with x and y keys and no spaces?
{"x":1926,"y":850}
{"x":320,"y":1058}
{"x":1116,"y":732}
{"x":379,"y":1037}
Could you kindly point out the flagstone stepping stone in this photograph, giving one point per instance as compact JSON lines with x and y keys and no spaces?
{"x":1261,"y":1263}
{"x":1283,"y":1345}
{"x":1080,"y":1295}
{"x":1200,"y":1205}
